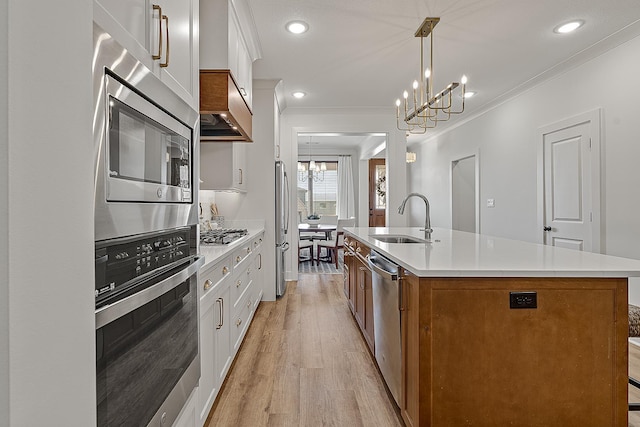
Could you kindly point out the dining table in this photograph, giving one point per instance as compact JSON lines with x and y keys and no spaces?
{"x":311,"y":229}
{"x":304,"y":228}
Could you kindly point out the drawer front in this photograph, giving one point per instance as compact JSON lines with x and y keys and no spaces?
{"x":240,"y":319}
{"x":241,"y":257}
{"x":241,"y":283}
{"x":210,"y":278}
{"x":257,"y":243}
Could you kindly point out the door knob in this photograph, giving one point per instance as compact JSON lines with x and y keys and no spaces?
{"x":547,"y":228}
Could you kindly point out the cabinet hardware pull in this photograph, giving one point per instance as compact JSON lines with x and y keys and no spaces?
{"x":260,"y":257}
{"x":358,"y":250}
{"x":241,"y":177}
{"x":238,"y":322}
{"x":221,"y":319}
{"x":248,"y":303}
{"x":166,"y":26}
{"x":207,"y":284}
{"x":225,"y":270}
{"x":243,"y":91}
{"x":238,"y":283}
{"x":158,"y":55}
{"x":238,"y":258}
{"x":248,"y":250}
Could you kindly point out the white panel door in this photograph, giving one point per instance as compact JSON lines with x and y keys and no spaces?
{"x":463,"y":194}
{"x":568,"y":188}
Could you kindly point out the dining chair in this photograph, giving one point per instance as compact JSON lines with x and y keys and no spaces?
{"x":326,"y":220}
{"x":333,"y":245}
{"x":305,"y":244}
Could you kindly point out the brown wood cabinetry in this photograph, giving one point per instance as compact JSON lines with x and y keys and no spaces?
{"x":358,"y":287}
{"x":469,"y":358}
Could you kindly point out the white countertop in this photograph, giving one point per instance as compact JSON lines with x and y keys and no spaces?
{"x":460,"y":254}
{"x":214,"y":253}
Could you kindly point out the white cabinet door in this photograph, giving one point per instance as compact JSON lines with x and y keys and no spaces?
{"x":208,"y":377}
{"x":240,"y":165}
{"x":132,"y":15}
{"x":215,"y":349}
{"x":138,"y":25}
{"x":180,"y":50}
{"x":222,"y":339}
{"x":223,"y":166}
{"x":240,"y":62}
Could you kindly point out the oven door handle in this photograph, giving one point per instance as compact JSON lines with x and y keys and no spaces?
{"x":109,"y":313}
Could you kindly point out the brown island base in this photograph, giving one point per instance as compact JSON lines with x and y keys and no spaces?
{"x":501,"y":351}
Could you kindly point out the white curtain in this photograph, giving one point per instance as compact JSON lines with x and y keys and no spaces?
{"x":346,"y":203}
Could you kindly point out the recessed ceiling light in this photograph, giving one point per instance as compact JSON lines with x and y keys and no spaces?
{"x":297,"y":27}
{"x":469,"y":94}
{"x":298,"y":94}
{"x":568,"y":27}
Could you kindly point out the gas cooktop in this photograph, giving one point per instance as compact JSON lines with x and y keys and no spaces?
{"x":222,"y":236}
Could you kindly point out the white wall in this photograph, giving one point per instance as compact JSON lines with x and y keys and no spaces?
{"x":46,"y":219}
{"x":505,"y":138}
{"x":346,"y":120}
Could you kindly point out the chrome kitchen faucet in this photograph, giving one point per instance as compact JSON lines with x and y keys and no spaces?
{"x":427,"y":220}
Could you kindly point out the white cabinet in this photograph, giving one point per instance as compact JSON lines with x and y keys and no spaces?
{"x":240,"y":62}
{"x":223,"y":166}
{"x":215,"y":344}
{"x":229,"y":41}
{"x":258,"y":271}
{"x":229,"y":295}
{"x":161,"y":34}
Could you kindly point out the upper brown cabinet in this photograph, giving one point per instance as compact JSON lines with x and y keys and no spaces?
{"x":224,"y":114}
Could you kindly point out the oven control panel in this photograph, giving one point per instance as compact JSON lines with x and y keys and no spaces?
{"x":124,"y":263}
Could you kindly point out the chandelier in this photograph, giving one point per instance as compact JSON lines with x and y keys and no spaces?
{"x":426,"y":109}
{"x":315,"y":171}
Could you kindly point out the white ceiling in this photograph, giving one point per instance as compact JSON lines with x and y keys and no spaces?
{"x":363,"y":53}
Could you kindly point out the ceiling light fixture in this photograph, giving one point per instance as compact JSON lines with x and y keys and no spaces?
{"x":297,"y":27}
{"x":315,"y":172}
{"x":298,"y":94}
{"x":568,"y":27}
{"x":428,"y":108}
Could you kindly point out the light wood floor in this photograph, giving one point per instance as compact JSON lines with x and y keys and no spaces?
{"x":304,"y":363}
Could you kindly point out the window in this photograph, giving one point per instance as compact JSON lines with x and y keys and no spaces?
{"x":317,"y":190}
{"x":381,"y":187}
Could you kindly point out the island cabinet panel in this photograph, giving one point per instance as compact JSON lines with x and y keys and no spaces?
{"x":364,"y":302}
{"x":472,"y":358}
{"x":358,"y":287}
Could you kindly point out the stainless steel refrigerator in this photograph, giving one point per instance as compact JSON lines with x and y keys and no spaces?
{"x":282,"y":224}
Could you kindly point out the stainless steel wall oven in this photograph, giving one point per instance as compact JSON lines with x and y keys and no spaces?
{"x":146,"y":248}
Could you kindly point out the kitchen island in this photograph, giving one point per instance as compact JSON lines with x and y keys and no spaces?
{"x":502,"y":332}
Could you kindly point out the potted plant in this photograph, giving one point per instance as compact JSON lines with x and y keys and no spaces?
{"x":313,"y":219}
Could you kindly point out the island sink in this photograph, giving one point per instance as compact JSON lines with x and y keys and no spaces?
{"x":388,"y":238}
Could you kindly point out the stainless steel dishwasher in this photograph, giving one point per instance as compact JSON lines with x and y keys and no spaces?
{"x":386,"y":320}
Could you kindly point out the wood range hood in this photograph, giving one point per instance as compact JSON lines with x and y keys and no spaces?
{"x":224,"y":114}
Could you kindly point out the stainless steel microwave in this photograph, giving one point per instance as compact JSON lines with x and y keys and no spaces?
{"x":145,"y":145}
{"x":148,"y":153}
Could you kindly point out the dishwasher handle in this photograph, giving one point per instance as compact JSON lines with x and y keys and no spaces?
{"x":391,"y":275}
